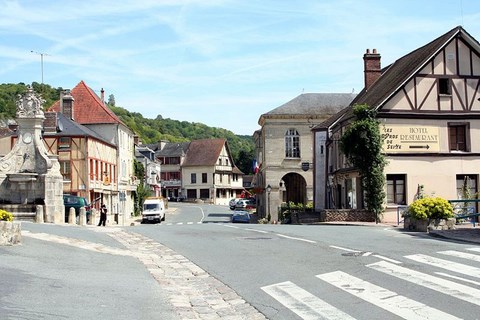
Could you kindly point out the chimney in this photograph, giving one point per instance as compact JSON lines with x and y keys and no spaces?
{"x":372,"y":67}
{"x":102,"y":95}
{"x":50,"y":123}
{"x":66,"y":104}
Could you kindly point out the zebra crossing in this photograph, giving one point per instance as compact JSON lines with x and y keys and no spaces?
{"x":455,"y":282}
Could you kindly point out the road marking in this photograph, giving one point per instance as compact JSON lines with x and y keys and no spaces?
{"x":387,"y":259}
{"x":294,"y":238}
{"x":444,"y":286}
{"x":458,"y":278}
{"x":229,"y":226}
{"x":303,"y":303}
{"x":383,"y":298}
{"x":255,"y":230}
{"x":474,"y":249}
{"x":446,"y":264}
{"x":81,"y":244}
{"x":459,"y":254}
{"x":344,"y":249}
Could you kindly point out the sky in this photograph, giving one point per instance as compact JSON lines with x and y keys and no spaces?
{"x":222,"y":63}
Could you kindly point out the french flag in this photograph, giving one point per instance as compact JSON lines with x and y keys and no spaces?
{"x":255,"y":166}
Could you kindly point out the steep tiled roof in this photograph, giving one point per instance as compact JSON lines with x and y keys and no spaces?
{"x":401,"y":70}
{"x":173,"y":149}
{"x":313,"y":104}
{"x":394,"y":76}
{"x":71,"y":128}
{"x":204,"y":152}
{"x":88,"y":107}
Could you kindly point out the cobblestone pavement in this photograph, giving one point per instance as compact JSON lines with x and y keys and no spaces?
{"x":193,"y":293}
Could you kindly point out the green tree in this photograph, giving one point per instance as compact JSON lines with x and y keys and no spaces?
{"x":362,"y":145}
{"x":142,"y":192}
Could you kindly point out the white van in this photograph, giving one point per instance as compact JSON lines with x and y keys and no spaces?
{"x":153,"y":210}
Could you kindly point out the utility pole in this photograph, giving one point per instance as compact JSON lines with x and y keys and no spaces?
{"x":41,"y":59}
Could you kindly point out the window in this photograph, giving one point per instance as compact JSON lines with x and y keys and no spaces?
{"x":193,"y":178}
{"x":457,"y":134}
{"x":64,"y":143}
{"x":204,"y":178}
{"x":396,"y":189}
{"x":65,"y":170}
{"x":292,"y":144}
{"x":444,"y":86}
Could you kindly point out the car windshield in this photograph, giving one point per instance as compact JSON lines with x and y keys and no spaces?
{"x":150,"y":207}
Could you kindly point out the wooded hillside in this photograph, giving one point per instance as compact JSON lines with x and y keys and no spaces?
{"x":149,"y":130}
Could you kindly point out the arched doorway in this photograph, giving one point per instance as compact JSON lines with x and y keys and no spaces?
{"x":294,"y":188}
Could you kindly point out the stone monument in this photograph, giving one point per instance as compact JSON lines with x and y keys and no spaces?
{"x":29,"y":175}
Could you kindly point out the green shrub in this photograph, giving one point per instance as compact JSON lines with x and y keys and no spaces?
{"x":430,"y":208}
{"x":5,"y":216}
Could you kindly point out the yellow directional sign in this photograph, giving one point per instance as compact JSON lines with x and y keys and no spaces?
{"x":410,"y":138}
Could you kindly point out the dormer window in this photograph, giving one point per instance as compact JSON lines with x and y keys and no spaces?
{"x":444,"y":86}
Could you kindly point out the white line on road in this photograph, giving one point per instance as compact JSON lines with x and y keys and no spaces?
{"x":383,"y":298}
{"x":229,"y":226}
{"x":344,"y":249}
{"x":294,"y":238}
{"x":255,"y":230}
{"x":444,"y":286}
{"x":459,"y":254}
{"x":386,"y":259}
{"x":303,"y":303}
{"x":458,"y":278}
{"x":446,"y":264}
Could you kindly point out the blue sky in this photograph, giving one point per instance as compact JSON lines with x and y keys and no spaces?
{"x":218,"y":62}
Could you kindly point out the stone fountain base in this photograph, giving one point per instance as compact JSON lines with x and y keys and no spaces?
{"x":10,"y":233}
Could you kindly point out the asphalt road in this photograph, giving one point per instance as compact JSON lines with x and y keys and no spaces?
{"x":357,"y":271}
{"x":197,"y":264}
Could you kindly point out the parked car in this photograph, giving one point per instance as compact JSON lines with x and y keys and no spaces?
{"x":245,"y":204}
{"x":76,"y":202}
{"x":233,"y":202}
{"x":240,"y":216}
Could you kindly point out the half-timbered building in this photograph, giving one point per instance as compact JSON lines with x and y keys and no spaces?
{"x":428,"y":104}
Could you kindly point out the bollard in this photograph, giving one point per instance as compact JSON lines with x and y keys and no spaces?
{"x":93,"y":216}
{"x":82,"y":219}
{"x":39,"y":214}
{"x":71,"y":216}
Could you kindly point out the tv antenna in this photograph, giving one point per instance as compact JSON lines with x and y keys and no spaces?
{"x":41,"y":54}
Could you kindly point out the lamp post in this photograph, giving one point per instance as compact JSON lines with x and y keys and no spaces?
{"x":268,"y":189}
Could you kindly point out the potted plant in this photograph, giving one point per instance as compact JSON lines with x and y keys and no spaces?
{"x":429,"y":213}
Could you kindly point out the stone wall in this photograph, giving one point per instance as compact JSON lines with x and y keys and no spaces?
{"x":10,"y":233}
{"x":330,"y":215}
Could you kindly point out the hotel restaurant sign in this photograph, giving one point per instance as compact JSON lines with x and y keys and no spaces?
{"x":410,"y":138}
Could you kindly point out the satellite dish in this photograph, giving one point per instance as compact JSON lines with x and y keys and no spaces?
{"x":59,"y":127}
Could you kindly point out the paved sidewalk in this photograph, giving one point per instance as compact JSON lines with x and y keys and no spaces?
{"x":464,"y":232}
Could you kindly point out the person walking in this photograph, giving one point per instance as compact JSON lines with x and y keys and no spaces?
{"x":103,"y":215}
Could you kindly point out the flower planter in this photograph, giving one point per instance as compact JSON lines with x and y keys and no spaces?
{"x":426,"y":225}
{"x":10,"y":233}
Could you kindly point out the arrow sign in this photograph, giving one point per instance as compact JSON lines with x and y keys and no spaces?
{"x":419,"y":147}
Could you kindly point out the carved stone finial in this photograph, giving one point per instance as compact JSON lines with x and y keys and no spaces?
{"x":29,"y":105}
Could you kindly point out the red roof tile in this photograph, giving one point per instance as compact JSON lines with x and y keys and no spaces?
{"x":88,"y":107}
{"x":204,"y":152}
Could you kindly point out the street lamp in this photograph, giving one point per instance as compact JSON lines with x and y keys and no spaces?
{"x":268,"y":189}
